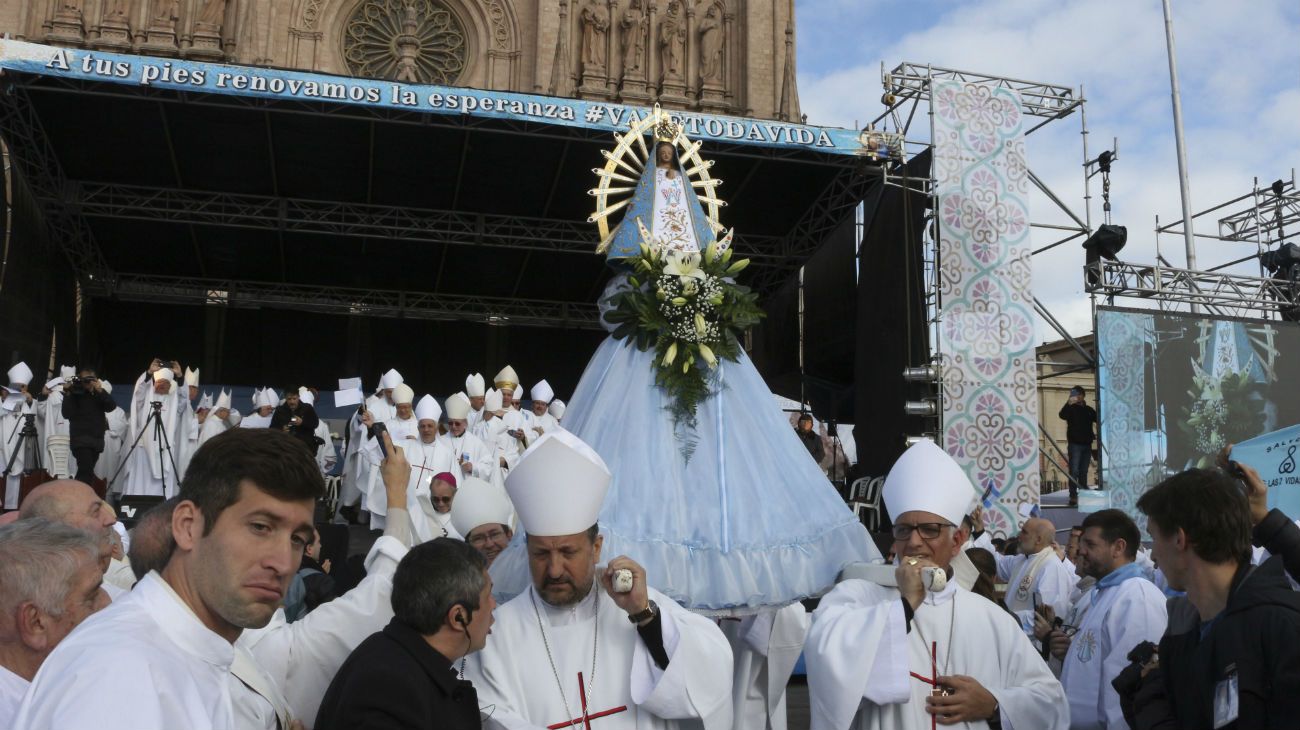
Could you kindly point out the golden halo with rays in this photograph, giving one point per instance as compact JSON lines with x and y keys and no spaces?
{"x":625,"y":163}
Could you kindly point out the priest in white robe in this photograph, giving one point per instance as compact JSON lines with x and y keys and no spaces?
{"x":766,"y":647}
{"x":494,"y":431}
{"x":152,"y":462}
{"x":590,"y":645}
{"x":18,"y":402}
{"x":476,"y":389}
{"x":557,"y":411}
{"x":428,"y":457}
{"x":1037,"y":576}
{"x":264,"y":402}
{"x":192,"y":429}
{"x":485,"y":516}
{"x":472,"y":457}
{"x":1124,"y":610}
{"x":925,"y":651}
{"x":221,"y":419}
{"x":507,"y":381}
{"x":404,"y":430}
{"x":542,"y":422}
{"x":114,"y":439}
{"x":380,"y":408}
{"x":56,"y":456}
{"x":325,"y":457}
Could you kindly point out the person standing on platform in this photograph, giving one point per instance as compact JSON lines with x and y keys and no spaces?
{"x":924,"y":653}
{"x":404,"y":430}
{"x":428,"y":456}
{"x":85,"y":404}
{"x":483,"y":516}
{"x":155,"y":432}
{"x":476,"y":389}
{"x":380,"y":408}
{"x":472,"y":456}
{"x":1079,"y":418}
{"x":265,"y":401}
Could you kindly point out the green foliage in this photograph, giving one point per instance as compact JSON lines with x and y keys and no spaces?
{"x":691,"y":311}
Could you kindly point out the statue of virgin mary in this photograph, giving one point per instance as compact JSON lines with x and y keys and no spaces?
{"x":747,"y":521}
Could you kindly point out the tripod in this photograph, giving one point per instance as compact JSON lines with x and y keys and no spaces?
{"x":160,"y":438}
{"x":29,"y":444}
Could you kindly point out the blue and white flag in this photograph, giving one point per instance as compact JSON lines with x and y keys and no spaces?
{"x":1275,"y":456}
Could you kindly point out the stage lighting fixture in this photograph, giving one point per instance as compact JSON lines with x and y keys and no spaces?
{"x":1106,"y":242}
{"x":911,"y":441}
{"x":927,"y":408}
{"x":922,"y":374}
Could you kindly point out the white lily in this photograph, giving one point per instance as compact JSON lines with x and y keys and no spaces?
{"x":708,"y":355}
{"x":685,"y":265}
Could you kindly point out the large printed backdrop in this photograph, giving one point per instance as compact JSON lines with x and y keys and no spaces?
{"x":990,"y":405}
{"x":1174,"y":389}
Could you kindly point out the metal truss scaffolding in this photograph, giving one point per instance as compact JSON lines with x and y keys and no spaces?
{"x":1224,"y":294}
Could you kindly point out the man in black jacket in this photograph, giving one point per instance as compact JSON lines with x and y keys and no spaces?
{"x":85,"y":404}
{"x":404,"y":676}
{"x":1078,"y":417}
{"x":1231,"y":655}
{"x":809,"y":438}
{"x":298,"y":419}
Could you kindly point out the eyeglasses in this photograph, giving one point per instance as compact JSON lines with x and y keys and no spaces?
{"x":441,"y":500}
{"x":928,"y":530}
{"x":487,"y":537}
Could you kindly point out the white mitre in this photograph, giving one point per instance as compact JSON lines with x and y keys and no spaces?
{"x":107,"y":386}
{"x":20,"y":374}
{"x":391,"y":379}
{"x":542,"y":392}
{"x":205,"y":403}
{"x":479,"y":503}
{"x":558,"y":485}
{"x":925,"y":478}
{"x":475,"y":386}
{"x":507,"y":379}
{"x":402,"y":393}
{"x":268,"y":397}
{"x":67,"y":372}
{"x":223,"y":400}
{"x":427,"y":409}
{"x":557,"y":409}
{"x":458,"y":407}
{"x":192,"y":378}
{"x":492,"y":401}
{"x":306,"y":396}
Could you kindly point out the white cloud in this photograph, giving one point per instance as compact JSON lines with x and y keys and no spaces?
{"x":1241,"y":97}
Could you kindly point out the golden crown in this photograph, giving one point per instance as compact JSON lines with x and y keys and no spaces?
{"x":666,"y":130}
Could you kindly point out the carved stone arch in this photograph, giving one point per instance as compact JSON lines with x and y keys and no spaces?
{"x":490,"y":29}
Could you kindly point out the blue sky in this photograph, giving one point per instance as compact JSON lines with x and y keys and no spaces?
{"x":1239,"y":66}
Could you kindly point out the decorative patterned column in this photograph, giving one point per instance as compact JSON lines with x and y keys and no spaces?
{"x":1121,"y":401}
{"x":990,"y":396}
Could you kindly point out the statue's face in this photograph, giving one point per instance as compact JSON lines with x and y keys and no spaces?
{"x":664,"y":153}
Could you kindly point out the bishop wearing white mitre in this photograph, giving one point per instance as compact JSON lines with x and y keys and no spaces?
{"x":926,"y":651}
{"x":590,"y":646}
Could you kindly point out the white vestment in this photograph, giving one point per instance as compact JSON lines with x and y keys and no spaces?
{"x":514,"y":674}
{"x":374,"y":499}
{"x":325,"y":452}
{"x":175,"y":670}
{"x":151,"y":466}
{"x":766,"y":647}
{"x":355,"y":473}
{"x":427,"y":461}
{"x":1120,"y":617}
{"x":213,"y":426}
{"x":984,"y":541}
{"x":861,"y":655}
{"x":256,"y":420}
{"x":493,"y":433}
{"x":1040,"y":579}
{"x":302,"y":657}
{"x":114,"y":444}
{"x":540,"y":425}
{"x":11,"y":423}
{"x":12,"y":689}
{"x":471,"y":446}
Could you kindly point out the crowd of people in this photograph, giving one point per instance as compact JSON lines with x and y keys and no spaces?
{"x":217,"y":609}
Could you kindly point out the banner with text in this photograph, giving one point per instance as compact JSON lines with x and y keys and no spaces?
{"x":193,"y":76}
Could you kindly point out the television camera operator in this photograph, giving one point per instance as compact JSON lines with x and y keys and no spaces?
{"x":86,"y":405}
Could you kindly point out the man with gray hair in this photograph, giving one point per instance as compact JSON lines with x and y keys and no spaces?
{"x":49,"y":582}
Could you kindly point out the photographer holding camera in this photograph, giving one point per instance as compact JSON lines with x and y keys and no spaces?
{"x":85,"y":405}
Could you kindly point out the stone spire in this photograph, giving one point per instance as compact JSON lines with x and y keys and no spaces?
{"x":789,"y":109}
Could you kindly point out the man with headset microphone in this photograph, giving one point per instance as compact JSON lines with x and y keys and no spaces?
{"x":408,"y":675}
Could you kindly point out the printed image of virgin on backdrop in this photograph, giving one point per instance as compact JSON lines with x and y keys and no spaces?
{"x":1175,"y":388}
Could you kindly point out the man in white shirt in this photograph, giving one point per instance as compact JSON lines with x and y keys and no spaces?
{"x":244,"y":517}
{"x":1037,"y":576}
{"x":49,"y":583}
